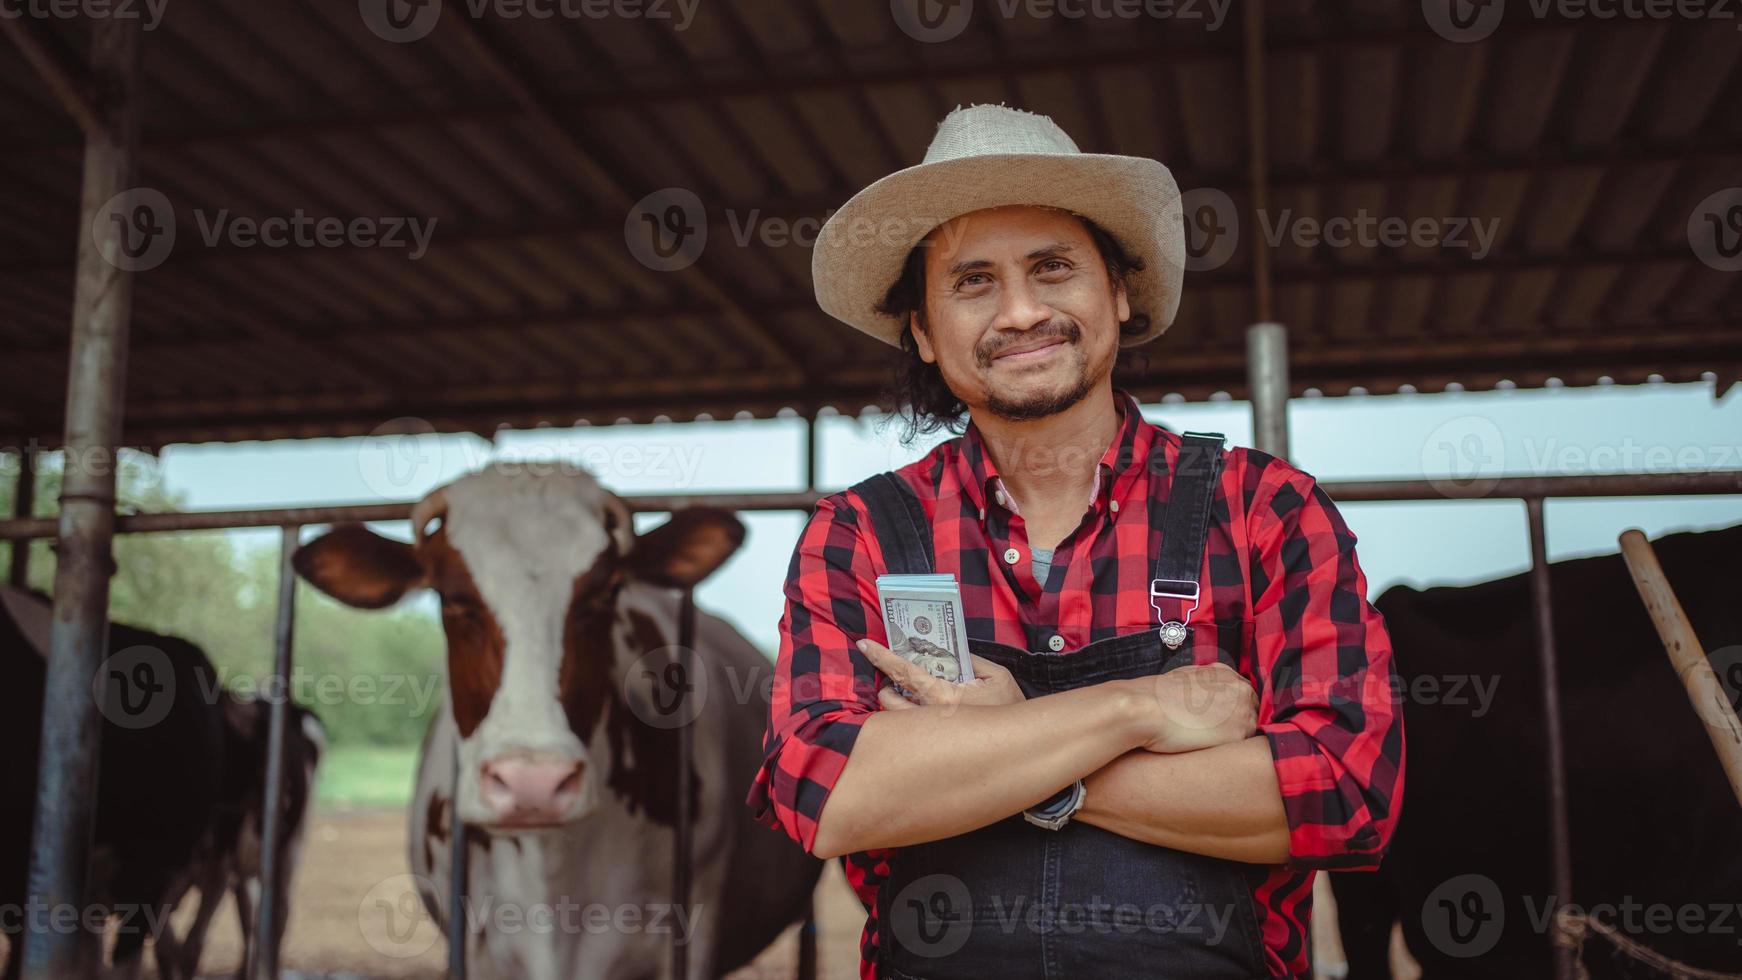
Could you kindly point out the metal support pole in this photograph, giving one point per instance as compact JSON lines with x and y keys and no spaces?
{"x":263,"y":963}
{"x":1267,"y":381}
{"x":23,"y":503}
{"x":681,"y":842}
{"x":96,"y":380}
{"x":1542,"y":599}
{"x":811,"y":440}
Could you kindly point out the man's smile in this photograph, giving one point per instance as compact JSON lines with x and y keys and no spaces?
{"x":1033,"y":351}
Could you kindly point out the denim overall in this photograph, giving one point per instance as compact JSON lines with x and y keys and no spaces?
{"x":1014,"y":900}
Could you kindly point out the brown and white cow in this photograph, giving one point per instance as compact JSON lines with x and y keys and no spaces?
{"x":560,"y":624}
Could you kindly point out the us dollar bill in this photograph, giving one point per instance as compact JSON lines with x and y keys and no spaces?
{"x":922,"y":615}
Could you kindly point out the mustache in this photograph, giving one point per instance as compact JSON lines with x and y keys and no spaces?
{"x":1060,"y":328}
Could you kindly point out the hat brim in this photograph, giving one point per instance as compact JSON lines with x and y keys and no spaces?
{"x":861,"y":249}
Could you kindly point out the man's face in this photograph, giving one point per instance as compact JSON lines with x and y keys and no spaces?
{"x":1021,"y":316}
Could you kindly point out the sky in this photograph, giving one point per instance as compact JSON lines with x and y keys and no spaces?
{"x":1448,"y":435}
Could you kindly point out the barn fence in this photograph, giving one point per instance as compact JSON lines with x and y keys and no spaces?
{"x":1532,"y":491}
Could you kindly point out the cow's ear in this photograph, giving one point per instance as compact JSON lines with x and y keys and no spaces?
{"x":359,"y":567}
{"x":687,"y":548}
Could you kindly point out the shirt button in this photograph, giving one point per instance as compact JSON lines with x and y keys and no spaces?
{"x":1001,"y":498}
{"x":1011,"y":556}
{"x":1113,"y":504}
{"x":1055,"y":644}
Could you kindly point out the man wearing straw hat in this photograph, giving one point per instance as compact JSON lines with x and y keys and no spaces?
{"x":1182,"y":705}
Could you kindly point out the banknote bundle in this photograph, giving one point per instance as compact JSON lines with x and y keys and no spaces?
{"x":923,"y":616}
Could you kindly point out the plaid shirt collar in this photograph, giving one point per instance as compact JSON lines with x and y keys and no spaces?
{"x":980,"y":480}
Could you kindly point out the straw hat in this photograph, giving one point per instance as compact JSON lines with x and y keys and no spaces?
{"x":986,"y":156}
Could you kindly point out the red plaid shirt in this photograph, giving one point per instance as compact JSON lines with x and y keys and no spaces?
{"x":1286,"y":602}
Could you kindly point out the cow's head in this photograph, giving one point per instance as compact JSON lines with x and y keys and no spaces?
{"x":531,"y":569}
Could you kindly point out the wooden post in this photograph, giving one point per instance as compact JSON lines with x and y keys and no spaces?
{"x":96,"y":380}
{"x":1686,"y":654}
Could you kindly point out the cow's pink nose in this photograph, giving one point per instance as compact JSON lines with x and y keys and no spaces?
{"x":530,"y":789}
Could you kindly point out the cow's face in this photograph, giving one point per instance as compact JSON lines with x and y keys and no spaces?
{"x":529,"y":569}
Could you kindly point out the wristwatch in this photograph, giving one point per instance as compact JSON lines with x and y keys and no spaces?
{"x":1056,"y":811}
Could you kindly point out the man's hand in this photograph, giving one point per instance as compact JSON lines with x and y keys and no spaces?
{"x":992,"y":684}
{"x":1200,"y":706}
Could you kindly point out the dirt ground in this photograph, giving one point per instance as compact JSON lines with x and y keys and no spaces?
{"x":354,"y":877}
{"x":353,"y":874}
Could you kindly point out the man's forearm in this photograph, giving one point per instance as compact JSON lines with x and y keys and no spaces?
{"x":935,"y":772}
{"x":1222,"y":801}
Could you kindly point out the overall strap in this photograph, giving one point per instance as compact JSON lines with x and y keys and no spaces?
{"x":1187,"y":517}
{"x":899,"y":522}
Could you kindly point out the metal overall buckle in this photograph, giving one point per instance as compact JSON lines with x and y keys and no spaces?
{"x":1173,"y":631}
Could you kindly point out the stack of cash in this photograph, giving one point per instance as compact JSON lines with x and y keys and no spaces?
{"x":923,"y":615}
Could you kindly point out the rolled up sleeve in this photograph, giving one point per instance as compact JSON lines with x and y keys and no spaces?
{"x":824,"y":688}
{"x":1327,"y":701}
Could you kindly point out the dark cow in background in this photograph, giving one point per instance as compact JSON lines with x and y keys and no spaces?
{"x":229,"y":857}
{"x":179,"y":789}
{"x":561,"y":722}
{"x":1654,"y":824}
{"x":159,"y":777}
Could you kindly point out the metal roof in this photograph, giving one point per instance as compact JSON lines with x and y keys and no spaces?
{"x":1589,"y":143}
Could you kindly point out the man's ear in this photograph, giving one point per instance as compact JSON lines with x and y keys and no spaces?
{"x":920,"y":339}
{"x":359,"y":567}
{"x":687,"y":548}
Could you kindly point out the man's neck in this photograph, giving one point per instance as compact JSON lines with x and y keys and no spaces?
{"x":1049,"y":464}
